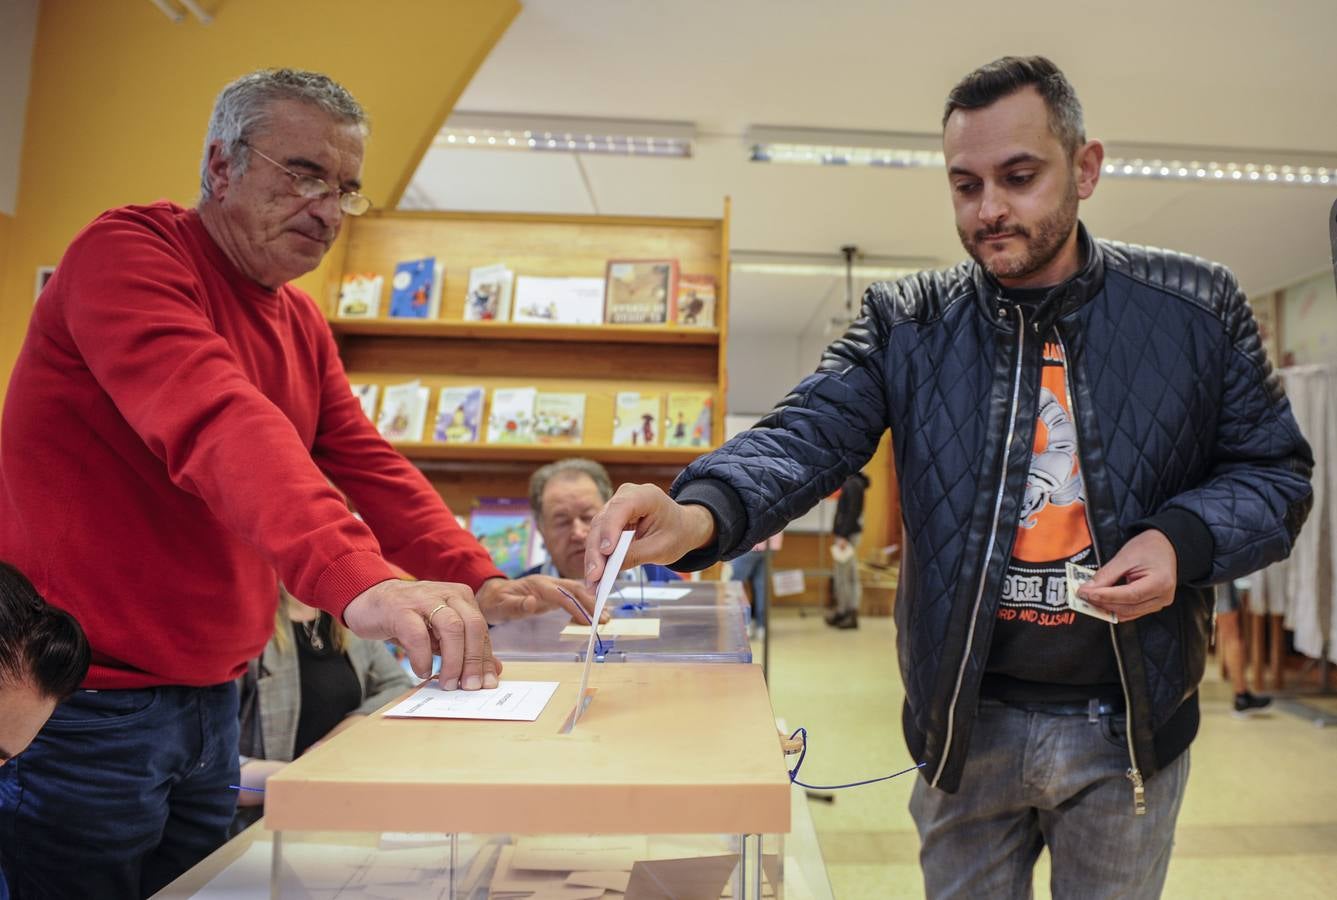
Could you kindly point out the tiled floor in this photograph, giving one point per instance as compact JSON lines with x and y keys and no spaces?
{"x":1259,"y":819}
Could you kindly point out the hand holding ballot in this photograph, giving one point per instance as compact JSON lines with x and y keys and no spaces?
{"x":665,"y":529}
{"x":427,"y":617}
{"x":1137,"y":581}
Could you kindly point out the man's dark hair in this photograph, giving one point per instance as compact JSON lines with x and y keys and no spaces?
{"x":1002,"y":77}
{"x":39,"y":644}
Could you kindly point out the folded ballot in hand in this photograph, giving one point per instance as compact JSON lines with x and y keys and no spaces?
{"x":1078,"y":576}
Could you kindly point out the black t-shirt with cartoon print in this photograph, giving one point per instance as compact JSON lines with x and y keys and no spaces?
{"x":1041,"y":650}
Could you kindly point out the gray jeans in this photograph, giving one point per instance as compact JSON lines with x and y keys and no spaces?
{"x":846,"y":580}
{"x":1034,"y":780}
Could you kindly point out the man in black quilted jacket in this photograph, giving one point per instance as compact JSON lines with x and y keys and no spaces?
{"x":1054,"y":400}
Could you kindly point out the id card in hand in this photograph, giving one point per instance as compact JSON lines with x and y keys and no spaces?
{"x":1078,"y":576}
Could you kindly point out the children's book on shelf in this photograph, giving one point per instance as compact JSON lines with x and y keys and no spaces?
{"x":360,"y":296}
{"x":415,"y":291}
{"x":489,"y":298}
{"x":512,"y":418}
{"x":640,"y":291}
{"x":558,"y":301}
{"x":403,"y":411}
{"x":459,"y":413}
{"x":636,"y":419}
{"x":366,"y":394}
{"x":688,"y":418}
{"x":559,"y":418}
{"x":696,"y":301}
{"x":505,"y":528}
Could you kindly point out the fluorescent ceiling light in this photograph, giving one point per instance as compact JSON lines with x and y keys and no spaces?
{"x":826,"y":265}
{"x":899,"y":150}
{"x":561,"y":134}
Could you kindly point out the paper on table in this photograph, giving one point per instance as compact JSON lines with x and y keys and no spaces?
{"x":630,"y":593}
{"x":617,"y":628}
{"x":612,"y":567}
{"x":517,"y":701}
{"x":608,"y":880}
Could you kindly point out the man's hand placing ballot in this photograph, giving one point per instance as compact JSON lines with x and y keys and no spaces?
{"x":665,"y":529}
{"x":426,"y":617}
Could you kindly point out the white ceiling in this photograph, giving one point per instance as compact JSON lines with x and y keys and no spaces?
{"x":1223,"y":73}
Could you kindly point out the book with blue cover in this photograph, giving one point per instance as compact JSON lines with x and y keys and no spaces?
{"x":415,"y":291}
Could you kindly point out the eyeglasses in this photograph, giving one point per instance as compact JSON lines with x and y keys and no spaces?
{"x":313,"y":188}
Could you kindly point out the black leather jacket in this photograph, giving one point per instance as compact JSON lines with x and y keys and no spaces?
{"x":1182,"y":426}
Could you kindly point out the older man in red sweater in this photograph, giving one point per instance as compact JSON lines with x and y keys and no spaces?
{"x":171,"y":434}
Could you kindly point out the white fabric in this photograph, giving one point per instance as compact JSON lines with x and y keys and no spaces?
{"x":1302,"y":588}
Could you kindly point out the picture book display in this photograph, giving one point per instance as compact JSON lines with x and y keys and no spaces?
{"x":489,"y":297}
{"x":687,"y":419}
{"x":505,"y":528}
{"x":558,"y":301}
{"x":360,"y":296}
{"x":367,"y":394}
{"x":636,"y":419}
{"x":415,"y":291}
{"x":403,"y":411}
{"x":696,"y":301}
{"x":559,"y":418}
{"x":459,"y":415}
{"x":640,"y":292}
{"x":512,"y":417}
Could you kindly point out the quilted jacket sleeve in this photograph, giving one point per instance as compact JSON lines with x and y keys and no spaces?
{"x":827,"y":427}
{"x":1258,"y":493}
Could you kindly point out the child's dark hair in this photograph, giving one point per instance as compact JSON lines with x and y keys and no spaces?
{"x":40,"y":644}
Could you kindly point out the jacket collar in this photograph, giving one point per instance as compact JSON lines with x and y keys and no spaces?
{"x":1062,"y":299}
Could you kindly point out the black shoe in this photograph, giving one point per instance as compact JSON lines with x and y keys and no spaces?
{"x":833,"y":616}
{"x":1247,"y":704}
{"x":848,"y":619}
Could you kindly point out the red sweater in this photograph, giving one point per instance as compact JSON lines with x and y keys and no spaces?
{"x":167,"y":437}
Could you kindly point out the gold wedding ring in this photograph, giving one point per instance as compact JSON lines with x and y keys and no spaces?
{"x":439,"y":607}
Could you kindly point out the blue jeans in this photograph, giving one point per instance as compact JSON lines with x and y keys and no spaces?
{"x":120,"y":793}
{"x":1034,"y":780}
{"x":751,"y":569}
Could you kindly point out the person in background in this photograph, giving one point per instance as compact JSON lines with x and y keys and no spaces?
{"x":845,"y":531}
{"x":1230,"y":643}
{"x":566,"y":496}
{"x":314,"y":679}
{"x":43,"y":657}
{"x":1054,"y":399}
{"x":178,"y":428}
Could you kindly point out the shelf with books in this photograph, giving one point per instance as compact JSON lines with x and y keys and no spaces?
{"x":539,"y":454}
{"x":519,"y":331}
{"x":489,"y":335}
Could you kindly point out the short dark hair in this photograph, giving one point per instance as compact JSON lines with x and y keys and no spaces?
{"x":40,"y":644}
{"x":1003,"y":77}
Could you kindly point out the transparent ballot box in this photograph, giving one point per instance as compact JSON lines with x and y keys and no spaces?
{"x":633,"y":596}
{"x":662,"y":633}
{"x":670,"y":783}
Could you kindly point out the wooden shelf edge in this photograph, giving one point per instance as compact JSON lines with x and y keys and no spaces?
{"x":539,"y":453}
{"x":512,"y":331}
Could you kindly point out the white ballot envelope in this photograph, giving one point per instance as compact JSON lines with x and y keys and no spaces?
{"x":1078,"y":576}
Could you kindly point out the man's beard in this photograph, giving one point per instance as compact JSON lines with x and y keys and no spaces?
{"x":1042,"y":245}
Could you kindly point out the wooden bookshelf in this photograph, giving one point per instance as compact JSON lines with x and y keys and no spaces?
{"x":596,"y":360}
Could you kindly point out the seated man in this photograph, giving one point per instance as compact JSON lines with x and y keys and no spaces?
{"x":43,"y":658}
{"x":566,"y":496}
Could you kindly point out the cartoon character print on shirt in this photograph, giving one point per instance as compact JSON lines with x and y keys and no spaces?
{"x":1051,"y":524}
{"x":1053,"y":478}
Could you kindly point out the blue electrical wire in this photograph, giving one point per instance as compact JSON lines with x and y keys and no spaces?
{"x":598,"y":640}
{"x":793,"y":773}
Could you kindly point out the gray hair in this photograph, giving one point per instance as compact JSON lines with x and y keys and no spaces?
{"x":566,"y":468}
{"x":242,"y":109}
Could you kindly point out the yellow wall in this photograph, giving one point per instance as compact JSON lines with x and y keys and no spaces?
{"x":120,"y":99}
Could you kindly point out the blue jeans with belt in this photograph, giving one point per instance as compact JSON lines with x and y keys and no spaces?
{"x":1038,"y":779}
{"x":121,"y":792}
